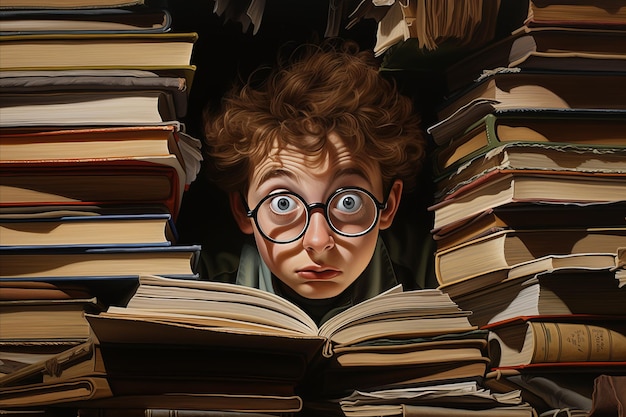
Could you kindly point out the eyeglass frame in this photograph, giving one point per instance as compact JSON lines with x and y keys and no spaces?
{"x":313,"y":206}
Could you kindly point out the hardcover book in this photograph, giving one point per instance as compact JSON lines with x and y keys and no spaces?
{"x":92,"y":20}
{"x":503,"y":187}
{"x":555,"y":48}
{"x":570,"y":132}
{"x":561,"y":291}
{"x":75,"y":50}
{"x":88,"y":230}
{"x":539,"y":90}
{"x":509,"y":248}
{"x":156,"y":180}
{"x":544,"y":341}
{"x":62,"y":261}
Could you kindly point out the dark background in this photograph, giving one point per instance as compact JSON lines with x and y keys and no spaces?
{"x":225,"y":53}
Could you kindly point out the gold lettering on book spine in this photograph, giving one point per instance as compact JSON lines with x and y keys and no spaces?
{"x":576,"y":342}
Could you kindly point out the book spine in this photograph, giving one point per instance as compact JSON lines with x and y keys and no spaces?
{"x":576,"y":342}
{"x":475,"y":141}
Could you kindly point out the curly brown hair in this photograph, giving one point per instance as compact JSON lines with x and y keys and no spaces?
{"x":317,"y":90}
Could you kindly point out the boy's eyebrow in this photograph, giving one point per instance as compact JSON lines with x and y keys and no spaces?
{"x":355,"y":170}
{"x":276,"y":173}
{"x":280,"y":172}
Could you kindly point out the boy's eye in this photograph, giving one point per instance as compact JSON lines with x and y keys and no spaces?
{"x":349,"y":203}
{"x":283,"y":204}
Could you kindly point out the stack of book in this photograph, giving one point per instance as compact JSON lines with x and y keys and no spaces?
{"x":188,"y":344}
{"x":430,"y":24}
{"x":247,"y":349}
{"x":94,"y":161}
{"x":529,"y":211}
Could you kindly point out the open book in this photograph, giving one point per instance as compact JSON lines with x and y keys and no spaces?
{"x":238,"y":309}
{"x":257,"y":339}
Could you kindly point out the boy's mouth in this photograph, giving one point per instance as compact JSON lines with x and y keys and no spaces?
{"x":318,"y":273}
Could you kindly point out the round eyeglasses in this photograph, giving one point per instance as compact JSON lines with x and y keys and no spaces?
{"x":284,"y":216}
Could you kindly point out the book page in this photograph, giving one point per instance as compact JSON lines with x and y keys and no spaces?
{"x":208,"y":290}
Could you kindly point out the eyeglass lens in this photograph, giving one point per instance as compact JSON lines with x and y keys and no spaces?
{"x":284,"y":216}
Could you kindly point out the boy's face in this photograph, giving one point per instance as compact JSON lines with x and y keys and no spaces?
{"x":321,"y":263}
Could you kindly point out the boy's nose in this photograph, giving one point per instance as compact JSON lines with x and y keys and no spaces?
{"x":318,"y":236}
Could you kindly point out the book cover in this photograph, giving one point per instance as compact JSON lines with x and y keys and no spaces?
{"x":47,"y":320}
{"x":188,"y":404}
{"x":64,"y":392}
{"x":109,"y":290}
{"x":562,"y":291}
{"x":44,"y":291}
{"x":535,"y":157}
{"x":515,"y":89}
{"x":456,"y":398}
{"x":34,"y":89}
{"x":518,"y":216}
{"x":555,"y":48}
{"x":63,"y":4}
{"x":62,"y":261}
{"x":115,"y":181}
{"x":572,"y":132}
{"x":578,"y":13}
{"x":88,"y":230}
{"x":113,"y":108}
{"x":509,"y":248}
{"x":94,"y":20}
{"x":503,"y":187}
{"x":88,"y":50}
{"x":543,"y":341}
{"x":88,"y":143}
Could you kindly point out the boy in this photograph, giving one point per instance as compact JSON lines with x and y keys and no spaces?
{"x":315,"y":161}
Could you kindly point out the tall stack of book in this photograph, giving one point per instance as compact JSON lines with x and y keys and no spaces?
{"x":529,"y":213}
{"x":94,"y":161}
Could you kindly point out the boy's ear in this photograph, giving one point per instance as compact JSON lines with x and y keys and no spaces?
{"x":240,"y":213}
{"x":393,"y":202}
